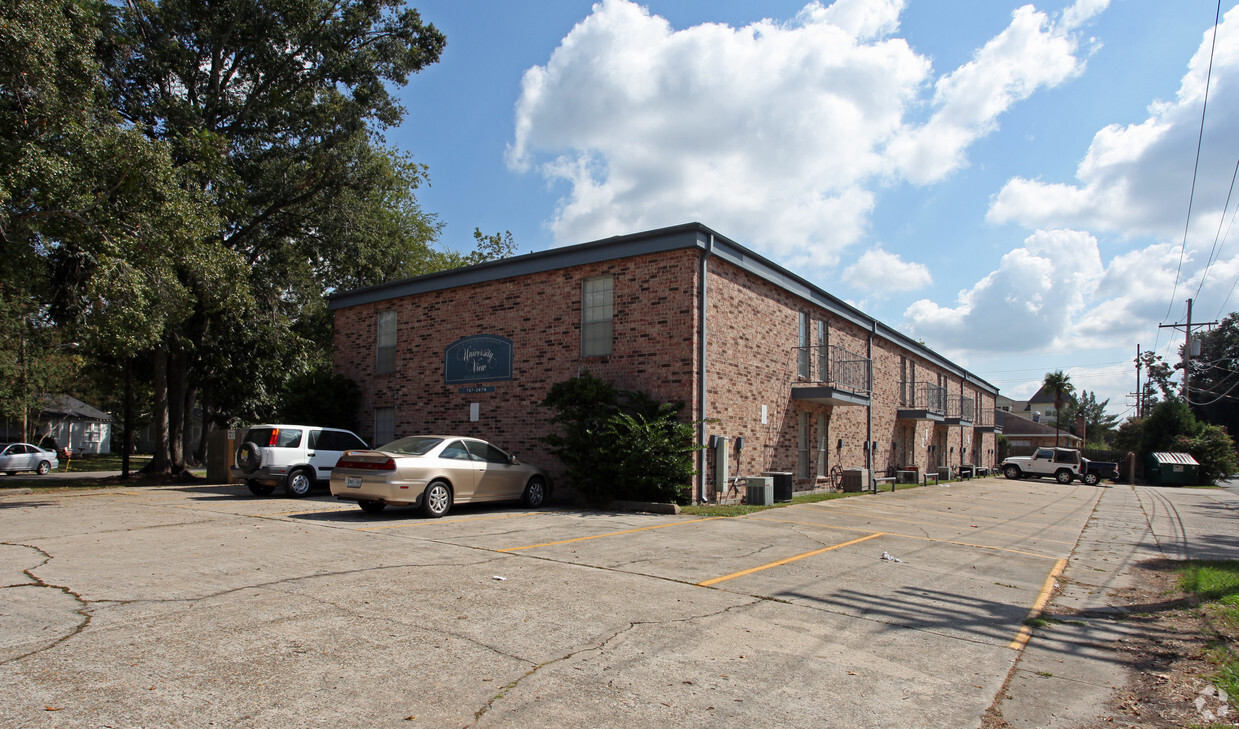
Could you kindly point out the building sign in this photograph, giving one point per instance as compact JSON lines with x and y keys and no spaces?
{"x":481,"y":358}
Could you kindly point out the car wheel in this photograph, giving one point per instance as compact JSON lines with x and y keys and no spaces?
{"x":249,"y":457}
{"x":437,"y":499}
{"x":298,"y":483}
{"x":535,"y":493}
{"x":1011,"y":472}
{"x":10,"y":473}
{"x":1063,"y":476}
{"x":259,"y":489}
{"x":371,"y":507}
{"x":1092,"y":479}
{"x":43,"y":468}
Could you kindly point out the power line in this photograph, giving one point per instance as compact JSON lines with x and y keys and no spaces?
{"x":1196,"y":168}
{"x":1217,"y":237}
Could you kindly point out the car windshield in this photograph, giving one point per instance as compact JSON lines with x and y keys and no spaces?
{"x":412,"y":446}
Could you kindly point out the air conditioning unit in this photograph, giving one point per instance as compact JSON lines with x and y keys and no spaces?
{"x":759,"y":491}
{"x":855,"y":480}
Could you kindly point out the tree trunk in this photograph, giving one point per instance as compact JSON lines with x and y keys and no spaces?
{"x":187,"y":428}
{"x":160,"y":462}
{"x":126,"y":426}
{"x":177,"y":375}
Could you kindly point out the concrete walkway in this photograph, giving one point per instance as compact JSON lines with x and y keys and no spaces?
{"x":1069,"y":669}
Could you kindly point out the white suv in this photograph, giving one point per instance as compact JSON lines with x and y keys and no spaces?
{"x":292,"y":456}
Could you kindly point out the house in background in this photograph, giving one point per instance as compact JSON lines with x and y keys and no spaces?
{"x":1022,"y":432}
{"x":71,"y":422}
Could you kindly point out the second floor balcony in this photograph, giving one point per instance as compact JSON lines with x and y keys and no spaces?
{"x":922,"y":401}
{"x":832,"y":375}
{"x":961,"y":410}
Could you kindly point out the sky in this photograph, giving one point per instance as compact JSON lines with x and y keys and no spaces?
{"x":1023,"y":187}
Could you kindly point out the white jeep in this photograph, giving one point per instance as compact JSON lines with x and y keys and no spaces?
{"x":293,"y":456}
{"x":1063,"y":464}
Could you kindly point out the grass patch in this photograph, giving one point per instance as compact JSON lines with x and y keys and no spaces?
{"x":742,"y":509}
{"x":106,"y":462}
{"x":1216,"y":585}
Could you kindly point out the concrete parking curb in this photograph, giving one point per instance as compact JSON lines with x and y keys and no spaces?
{"x":647,"y":506}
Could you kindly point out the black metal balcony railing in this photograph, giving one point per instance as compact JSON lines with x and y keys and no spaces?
{"x":985,"y":418}
{"x":834,"y":366}
{"x":930,"y":397}
{"x":961,"y":407}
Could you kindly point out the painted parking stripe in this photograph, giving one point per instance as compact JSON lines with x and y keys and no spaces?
{"x":788,"y":560}
{"x":1047,"y":590}
{"x":609,"y":534}
{"x":907,"y":536}
{"x":960,"y":515}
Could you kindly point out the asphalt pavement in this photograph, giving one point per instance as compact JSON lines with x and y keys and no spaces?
{"x":200,"y":606}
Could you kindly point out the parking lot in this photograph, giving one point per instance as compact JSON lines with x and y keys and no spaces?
{"x":205,"y":606}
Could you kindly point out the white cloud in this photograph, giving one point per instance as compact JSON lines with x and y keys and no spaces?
{"x":1136,"y":179}
{"x":878,"y":269}
{"x":777,"y":133}
{"x":1032,"y":53}
{"x":1028,"y":304}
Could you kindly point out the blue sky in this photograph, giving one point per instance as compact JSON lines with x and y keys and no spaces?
{"x":1007,"y":182}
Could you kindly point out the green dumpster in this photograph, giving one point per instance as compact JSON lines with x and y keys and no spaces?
{"x":1171,"y":469}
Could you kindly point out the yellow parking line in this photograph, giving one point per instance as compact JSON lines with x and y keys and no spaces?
{"x":609,"y":534}
{"x":789,"y":560}
{"x":428,"y":522}
{"x":908,"y":536}
{"x":1022,"y":638}
{"x":962,"y":515}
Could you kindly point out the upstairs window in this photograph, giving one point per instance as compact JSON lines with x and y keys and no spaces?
{"x":597,"y":315}
{"x":802,"y":351}
{"x":385,"y":326}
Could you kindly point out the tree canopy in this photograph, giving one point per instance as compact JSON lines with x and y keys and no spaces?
{"x":181,"y":183}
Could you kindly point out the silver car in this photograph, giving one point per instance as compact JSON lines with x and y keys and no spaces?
{"x":433,"y":472}
{"x":16,"y":457}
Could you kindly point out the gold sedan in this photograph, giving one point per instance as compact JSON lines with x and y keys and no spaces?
{"x":433,"y":472}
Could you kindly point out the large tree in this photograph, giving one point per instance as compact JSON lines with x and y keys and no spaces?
{"x":92,"y":209}
{"x":273,"y":113}
{"x":1059,"y":384}
{"x":1215,"y":376}
{"x":1098,"y":425}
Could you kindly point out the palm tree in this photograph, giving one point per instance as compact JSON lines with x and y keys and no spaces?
{"x":1058,"y":383}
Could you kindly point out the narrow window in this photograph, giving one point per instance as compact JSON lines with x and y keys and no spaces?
{"x":903,"y":380}
{"x":385,"y":326}
{"x":823,"y":369}
{"x":802,"y":351}
{"x":597,"y":314}
{"x":802,"y":463}
{"x":822,"y":460}
{"x":384,"y":426}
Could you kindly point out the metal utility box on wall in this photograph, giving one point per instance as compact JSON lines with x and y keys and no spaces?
{"x":1172,"y":469}
{"x":759,"y":491}
{"x":855,"y":479}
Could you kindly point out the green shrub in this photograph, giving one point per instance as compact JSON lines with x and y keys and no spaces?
{"x":1213,"y":449}
{"x":619,"y":444}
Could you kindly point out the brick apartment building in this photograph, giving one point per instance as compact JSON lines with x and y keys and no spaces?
{"x":792,"y":378}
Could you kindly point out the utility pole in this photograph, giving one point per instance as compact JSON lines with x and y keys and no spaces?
{"x":1187,"y":348}
{"x":1139,"y":392}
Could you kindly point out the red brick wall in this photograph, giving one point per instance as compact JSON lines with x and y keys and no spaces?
{"x":655,"y":318}
{"x":752,"y":335}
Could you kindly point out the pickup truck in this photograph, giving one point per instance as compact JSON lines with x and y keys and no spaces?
{"x":1063,"y":464}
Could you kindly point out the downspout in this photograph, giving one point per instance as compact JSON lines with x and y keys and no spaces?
{"x":701,"y":375}
{"x":869,"y":409}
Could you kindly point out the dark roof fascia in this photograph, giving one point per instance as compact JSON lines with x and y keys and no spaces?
{"x":599,"y":251}
{"x":678,"y":237}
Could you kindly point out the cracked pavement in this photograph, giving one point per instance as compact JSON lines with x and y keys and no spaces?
{"x":203,"y":606}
